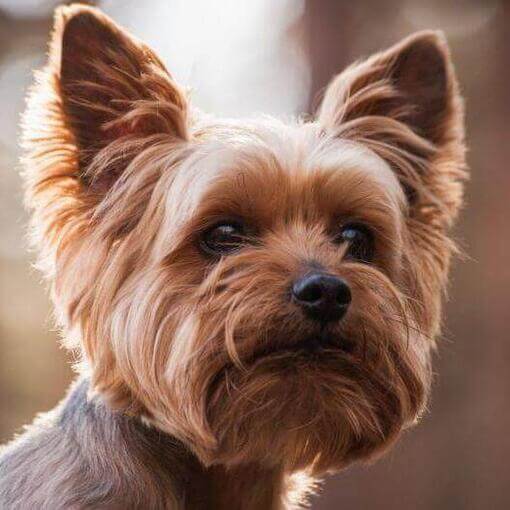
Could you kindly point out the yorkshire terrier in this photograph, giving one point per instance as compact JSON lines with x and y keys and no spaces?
{"x":254,"y":303}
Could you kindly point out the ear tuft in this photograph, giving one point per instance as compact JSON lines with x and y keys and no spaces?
{"x":111,"y":85}
{"x":103,"y":100}
{"x":404,"y":103}
{"x":412,"y":82}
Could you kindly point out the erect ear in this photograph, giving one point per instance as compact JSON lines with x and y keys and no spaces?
{"x":405,"y":104}
{"x":111,"y":87}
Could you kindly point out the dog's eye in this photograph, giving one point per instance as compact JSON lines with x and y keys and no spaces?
{"x":222,"y":239}
{"x":360,"y":242}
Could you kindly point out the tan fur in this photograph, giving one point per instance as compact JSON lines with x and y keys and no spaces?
{"x":122,"y":178}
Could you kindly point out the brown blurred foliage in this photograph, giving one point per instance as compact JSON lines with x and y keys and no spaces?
{"x":457,"y":457}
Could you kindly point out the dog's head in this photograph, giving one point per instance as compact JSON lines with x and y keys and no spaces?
{"x":263,"y":291}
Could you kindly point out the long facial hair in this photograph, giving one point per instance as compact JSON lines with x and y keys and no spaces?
{"x":120,"y":173}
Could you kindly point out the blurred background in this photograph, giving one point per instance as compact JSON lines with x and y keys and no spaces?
{"x":275,"y":56}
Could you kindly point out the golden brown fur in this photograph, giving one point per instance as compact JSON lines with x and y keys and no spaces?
{"x":123,"y":175}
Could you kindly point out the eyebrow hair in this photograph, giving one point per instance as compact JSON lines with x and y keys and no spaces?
{"x":342,"y":156}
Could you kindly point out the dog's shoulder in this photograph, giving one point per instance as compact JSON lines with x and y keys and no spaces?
{"x":83,"y":455}
{"x":33,"y":465}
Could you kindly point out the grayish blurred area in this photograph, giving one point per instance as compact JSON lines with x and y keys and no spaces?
{"x":275,"y":56}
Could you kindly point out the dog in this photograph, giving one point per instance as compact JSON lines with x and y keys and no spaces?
{"x":253,"y":304}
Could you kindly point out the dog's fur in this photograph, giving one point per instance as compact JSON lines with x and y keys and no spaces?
{"x":195,"y":389}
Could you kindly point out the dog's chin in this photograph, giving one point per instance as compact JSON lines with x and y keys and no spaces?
{"x":311,"y":405}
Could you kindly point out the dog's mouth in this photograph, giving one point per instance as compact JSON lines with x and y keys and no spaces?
{"x":310,"y":346}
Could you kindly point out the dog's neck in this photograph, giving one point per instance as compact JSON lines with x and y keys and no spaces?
{"x":245,"y":488}
{"x":156,"y":468}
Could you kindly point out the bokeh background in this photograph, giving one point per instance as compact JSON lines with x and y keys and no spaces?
{"x":275,"y":56}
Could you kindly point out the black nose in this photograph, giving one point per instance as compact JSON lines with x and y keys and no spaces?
{"x":323,"y":297}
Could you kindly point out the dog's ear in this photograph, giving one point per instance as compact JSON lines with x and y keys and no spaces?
{"x":109,"y":87}
{"x":405,"y":104}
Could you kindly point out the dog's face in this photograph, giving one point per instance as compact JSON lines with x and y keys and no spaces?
{"x":264,"y":292}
